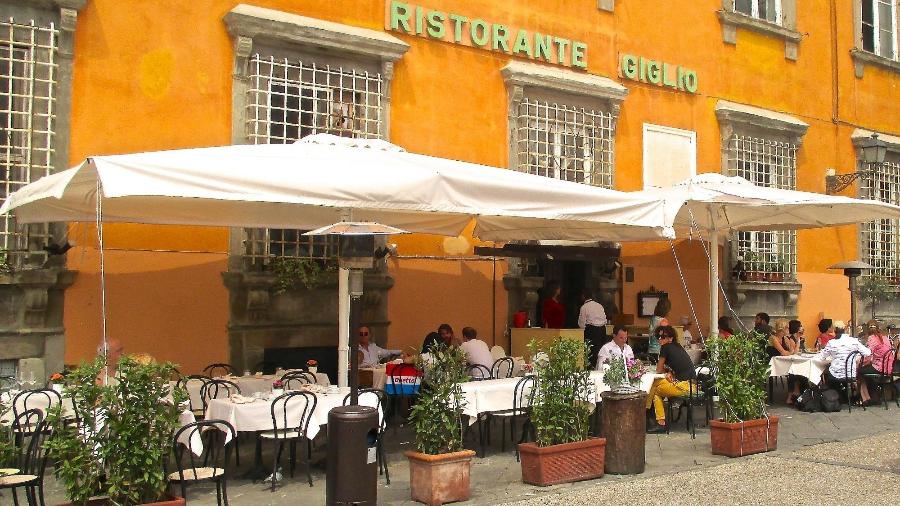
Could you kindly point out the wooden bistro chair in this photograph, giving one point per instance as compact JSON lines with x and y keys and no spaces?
{"x":503,"y":367}
{"x":31,"y":458}
{"x":478,"y":372}
{"x":377,"y":399}
{"x":219,"y":370}
{"x":210,"y":465}
{"x":291,"y":413}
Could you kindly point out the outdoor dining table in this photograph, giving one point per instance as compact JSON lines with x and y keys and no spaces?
{"x":487,"y":396}
{"x":249,"y":385}
{"x":805,"y":365}
{"x":379,"y":377}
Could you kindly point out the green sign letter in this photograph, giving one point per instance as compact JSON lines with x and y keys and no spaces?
{"x":667,"y":76}
{"x":542,"y":45}
{"x":561,"y":45}
{"x":400,"y":16}
{"x":653,"y":71}
{"x":523,"y":44}
{"x":690,"y":81}
{"x":578,"y":54}
{"x":482,"y":39}
{"x":458,"y":22}
{"x":500,"y":38}
{"x":629,"y":66}
{"x":436,"y":24}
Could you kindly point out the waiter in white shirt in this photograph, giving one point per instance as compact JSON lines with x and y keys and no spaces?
{"x":371,"y":352}
{"x":592,"y":318}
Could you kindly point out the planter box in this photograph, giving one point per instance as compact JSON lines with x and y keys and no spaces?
{"x":439,"y":479}
{"x":166,"y":501}
{"x":568,"y":462}
{"x":744,"y":438}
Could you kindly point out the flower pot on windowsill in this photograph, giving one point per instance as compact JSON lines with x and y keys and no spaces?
{"x":755,"y":277}
{"x":743,"y":438}
{"x":167,"y":500}
{"x":562,"y":463}
{"x":777,"y":277}
{"x":439,"y":479}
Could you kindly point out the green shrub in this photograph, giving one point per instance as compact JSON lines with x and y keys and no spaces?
{"x":437,"y":415}
{"x":561,"y":412}
{"x":741,"y":370}
{"x":124,"y":436}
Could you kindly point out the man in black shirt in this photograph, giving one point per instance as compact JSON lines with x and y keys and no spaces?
{"x":676,"y":364}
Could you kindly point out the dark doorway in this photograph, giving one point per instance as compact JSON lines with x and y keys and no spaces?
{"x":573,"y":276}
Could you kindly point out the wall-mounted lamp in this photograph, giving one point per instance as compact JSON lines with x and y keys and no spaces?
{"x":873,"y":152}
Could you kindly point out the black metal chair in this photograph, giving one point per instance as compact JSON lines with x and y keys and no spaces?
{"x":883,"y":379}
{"x":695,"y":396}
{"x":523,"y":398}
{"x":32,"y":430}
{"x":41,"y":399}
{"x":210,"y":465}
{"x":294,"y":379}
{"x":850,"y":381}
{"x":478,"y":372}
{"x":217,"y":389}
{"x":291,"y":413}
{"x":377,"y":399}
{"x":214,"y":370}
{"x":503,"y":367}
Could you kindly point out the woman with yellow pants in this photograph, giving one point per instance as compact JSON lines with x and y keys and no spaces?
{"x":676,"y":364}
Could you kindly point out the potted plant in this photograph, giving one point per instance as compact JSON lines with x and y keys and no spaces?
{"x":439,"y":468}
{"x":312,"y":365}
{"x":277,"y":387}
{"x":779,"y":268}
{"x":116,"y":452}
{"x":291,"y":272}
{"x":752,"y":265}
{"x":623,"y":375}
{"x":56,"y":382}
{"x":563,"y":451}
{"x":741,"y":370}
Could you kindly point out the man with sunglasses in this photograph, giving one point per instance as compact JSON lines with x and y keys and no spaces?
{"x":676,"y":364}
{"x":371,"y":353}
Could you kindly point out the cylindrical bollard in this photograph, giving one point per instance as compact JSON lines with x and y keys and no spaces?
{"x":352,"y":474}
{"x":624,"y":425}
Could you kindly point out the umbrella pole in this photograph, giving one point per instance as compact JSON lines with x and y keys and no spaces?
{"x":713,"y":278}
{"x":343,"y":326}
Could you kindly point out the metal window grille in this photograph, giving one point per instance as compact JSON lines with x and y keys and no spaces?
{"x":771,"y":163}
{"x":879,"y":28}
{"x":565,"y":142}
{"x":290,"y":99}
{"x":28,"y":73}
{"x":880,"y":238}
{"x":766,"y":10}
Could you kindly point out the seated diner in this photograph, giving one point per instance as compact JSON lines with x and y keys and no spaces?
{"x":676,"y":364}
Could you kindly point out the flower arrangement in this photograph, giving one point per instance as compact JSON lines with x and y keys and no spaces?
{"x":528,"y":368}
{"x":623,"y":373}
{"x":312,"y":363}
{"x":277,"y":384}
{"x":56,"y":377}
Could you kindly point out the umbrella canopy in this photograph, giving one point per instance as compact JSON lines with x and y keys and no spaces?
{"x":719,"y":205}
{"x":317,"y":180}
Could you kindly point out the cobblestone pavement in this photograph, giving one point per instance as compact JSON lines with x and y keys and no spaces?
{"x":821,"y":458}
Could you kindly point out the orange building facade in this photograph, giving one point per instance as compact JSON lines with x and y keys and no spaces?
{"x":621,"y":94}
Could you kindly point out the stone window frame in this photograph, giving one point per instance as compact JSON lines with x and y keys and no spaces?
{"x":892,"y":163}
{"x":746,"y":120}
{"x":563,"y":86}
{"x":257,"y":27}
{"x":64,"y":15}
{"x":731,"y":20}
{"x":862,"y":58}
{"x":606,"y":5}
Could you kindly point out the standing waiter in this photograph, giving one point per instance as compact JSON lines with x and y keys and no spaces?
{"x":592,"y":318}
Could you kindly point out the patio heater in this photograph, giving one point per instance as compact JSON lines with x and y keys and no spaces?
{"x":852,"y":269}
{"x":356,"y":247}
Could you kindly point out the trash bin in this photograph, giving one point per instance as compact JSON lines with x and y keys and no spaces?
{"x":352,"y":472}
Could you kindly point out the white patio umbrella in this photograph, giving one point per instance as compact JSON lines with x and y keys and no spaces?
{"x":718,"y":205}
{"x":323,"y":179}
{"x":317,"y":180}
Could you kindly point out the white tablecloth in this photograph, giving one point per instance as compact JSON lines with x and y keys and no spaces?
{"x":798,"y":365}
{"x":488,"y":396}
{"x":257,"y":416}
{"x":248,"y":385}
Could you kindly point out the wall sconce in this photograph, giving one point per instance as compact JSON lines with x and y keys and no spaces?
{"x":873,"y":153}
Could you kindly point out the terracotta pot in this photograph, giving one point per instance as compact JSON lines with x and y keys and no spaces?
{"x":168,"y":500}
{"x":439,"y":479}
{"x":743,"y":438}
{"x":776,"y":276}
{"x":564,"y":463}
